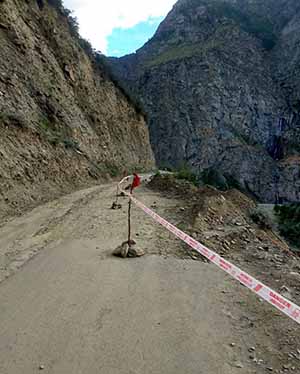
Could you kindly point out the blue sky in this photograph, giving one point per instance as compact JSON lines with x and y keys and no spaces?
{"x":119,"y":27}
{"x":123,"y":41}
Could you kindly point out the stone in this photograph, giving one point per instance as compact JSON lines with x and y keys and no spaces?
{"x":284,"y":289}
{"x":122,"y":250}
{"x":133,"y":251}
{"x":3,"y":26}
{"x":239,"y":365}
{"x":126,"y":250}
{"x":116,"y":206}
{"x":294,"y":274}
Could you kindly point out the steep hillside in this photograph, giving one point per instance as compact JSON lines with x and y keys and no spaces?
{"x":220,"y":83}
{"x":63,"y":122}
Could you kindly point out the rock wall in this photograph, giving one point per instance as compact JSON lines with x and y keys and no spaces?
{"x":63,"y":122}
{"x":220,"y":83}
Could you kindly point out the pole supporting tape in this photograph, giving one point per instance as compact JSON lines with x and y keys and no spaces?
{"x":272,"y":297}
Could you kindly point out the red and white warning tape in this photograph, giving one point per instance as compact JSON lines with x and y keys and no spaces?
{"x":274,"y":298}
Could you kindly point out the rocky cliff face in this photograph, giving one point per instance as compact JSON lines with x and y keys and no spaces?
{"x":63,"y":122}
{"x":220,"y":81}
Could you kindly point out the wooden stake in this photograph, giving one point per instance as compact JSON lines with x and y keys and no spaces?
{"x":117,"y":195}
{"x":129,"y":222}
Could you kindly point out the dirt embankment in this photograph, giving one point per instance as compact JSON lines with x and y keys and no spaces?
{"x":222,"y":221}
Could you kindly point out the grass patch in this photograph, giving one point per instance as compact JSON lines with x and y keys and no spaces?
{"x":182,"y":51}
{"x":175,"y":53}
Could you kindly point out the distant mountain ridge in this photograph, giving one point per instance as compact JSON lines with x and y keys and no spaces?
{"x":220,"y":82}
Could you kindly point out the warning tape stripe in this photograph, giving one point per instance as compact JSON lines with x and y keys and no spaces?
{"x":272,"y":297}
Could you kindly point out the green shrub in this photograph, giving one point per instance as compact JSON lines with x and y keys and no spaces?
{"x":186,"y":174}
{"x":54,"y":139}
{"x":277,"y":209}
{"x":70,"y":143}
{"x":105,"y":168}
{"x":74,"y":26}
{"x":215,"y":178}
{"x":112,"y":169}
{"x":45,"y":125}
{"x":49,"y":132}
{"x":56,"y":4}
{"x":261,"y":219}
{"x":13,"y":119}
{"x":2,"y":117}
{"x":289,"y":221}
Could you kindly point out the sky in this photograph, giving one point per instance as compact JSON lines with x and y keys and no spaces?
{"x":119,"y":27}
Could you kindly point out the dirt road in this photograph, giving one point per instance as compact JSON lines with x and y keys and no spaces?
{"x":73,"y":308}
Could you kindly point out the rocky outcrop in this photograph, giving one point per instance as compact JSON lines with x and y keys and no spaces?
{"x":63,"y":122}
{"x":220,"y":83}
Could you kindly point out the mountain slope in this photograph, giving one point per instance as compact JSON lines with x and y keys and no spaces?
{"x":218,"y":83}
{"x":63,"y":122}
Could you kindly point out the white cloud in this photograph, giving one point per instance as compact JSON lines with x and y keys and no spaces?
{"x":97,"y":18}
